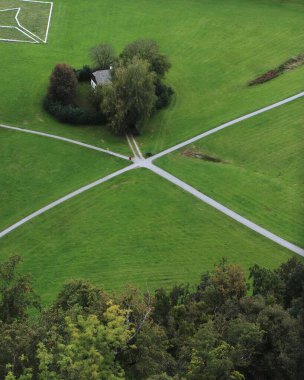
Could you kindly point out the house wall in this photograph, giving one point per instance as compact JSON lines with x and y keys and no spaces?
{"x":93,"y":84}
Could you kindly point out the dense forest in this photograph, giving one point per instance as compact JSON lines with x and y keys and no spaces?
{"x":225,"y":327}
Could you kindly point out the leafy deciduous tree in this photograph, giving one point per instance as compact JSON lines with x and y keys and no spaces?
{"x":147,"y":50}
{"x":63,"y":84}
{"x":103,"y":56}
{"x":129,"y":99}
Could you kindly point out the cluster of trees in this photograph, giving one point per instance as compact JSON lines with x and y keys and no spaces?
{"x":126,"y":102}
{"x":60,"y":100}
{"x":219,"y":329}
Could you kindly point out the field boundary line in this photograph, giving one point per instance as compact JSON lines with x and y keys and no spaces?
{"x":19,"y":27}
{"x":24,"y":30}
{"x":31,"y":41}
{"x":50,"y":15}
{"x":55,"y":137}
{"x":66,"y":198}
{"x":225,"y":210}
{"x":225,"y":125}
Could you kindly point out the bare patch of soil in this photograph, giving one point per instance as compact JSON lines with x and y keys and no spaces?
{"x":202,"y":156}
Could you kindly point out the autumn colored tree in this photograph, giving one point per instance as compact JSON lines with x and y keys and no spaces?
{"x":63,"y":84}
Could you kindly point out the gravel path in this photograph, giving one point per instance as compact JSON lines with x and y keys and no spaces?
{"x":66,"y":140}
{"x":220,"y":127}
{"x":260,"y":230}
{"x":65,"y":198}
{"x":139,"y":161}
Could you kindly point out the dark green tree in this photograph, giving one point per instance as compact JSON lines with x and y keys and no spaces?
{"x":149,"y":51}
{"x":129,"y":99}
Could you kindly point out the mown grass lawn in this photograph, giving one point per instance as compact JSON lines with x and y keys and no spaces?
{"x":35,"y":171}
{"x":215,"y":47}
{"x":261,"y":176}
{"x":136,"y":229}
{"x":139,"y":228}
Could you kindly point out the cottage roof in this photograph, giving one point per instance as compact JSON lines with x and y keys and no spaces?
{"x":102,"y":76}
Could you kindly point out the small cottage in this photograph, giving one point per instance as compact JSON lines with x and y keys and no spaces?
{"x":101,"y":77}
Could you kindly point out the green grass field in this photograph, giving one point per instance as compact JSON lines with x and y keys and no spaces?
{"x":212,"y":57}
{"x":262,"y":174}
{"x":33,"y":16}
{"x":135,"y":229}
{"x":36,"y":171}
{"x":139,"y":228}
{"x":7,"y":18}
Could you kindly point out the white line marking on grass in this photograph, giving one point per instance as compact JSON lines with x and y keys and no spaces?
{"x":49,"y":23}
{"x":24,"y":30}
{"x":260,"y":230}
{"x":14,"y":40}
{"x":9,"y":9}
{"x":10,"y":40}
{"x":219,"y":128}
{"x":65,"y":198}
{"x":49,"y":18}
{"x":20,"y":28}
{"x":66,"y":140}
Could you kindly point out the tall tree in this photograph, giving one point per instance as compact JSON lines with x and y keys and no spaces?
{"x":147,"y":50}
{"x":102,"y":56}
{"x":63,"y":84}
{"x":129,"y":99}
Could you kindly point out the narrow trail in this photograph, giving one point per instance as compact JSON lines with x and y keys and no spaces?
{"x":134,"y":147}
{"x":213,"y":203}
{"x":140,"y":161}
{"x":260,"y":230}
{"x":225,"y":125}
{"x":75,"y":142}
{"x":66,"y":198}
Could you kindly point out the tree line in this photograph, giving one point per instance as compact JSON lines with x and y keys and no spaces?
{"x":124,"y":103}
{"x":223,"y":328}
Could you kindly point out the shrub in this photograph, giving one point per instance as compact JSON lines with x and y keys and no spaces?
{"x":84,"y":74}
{"x":164,"y":94}
{"x":72,"y":114}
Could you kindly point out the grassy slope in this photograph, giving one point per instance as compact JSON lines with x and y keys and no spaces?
{"x":159,"y":236}
{"x":98,"y":236}
{"x":212,"y":58}
{"x":263,"y":177}
{"x":35,"y":171}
